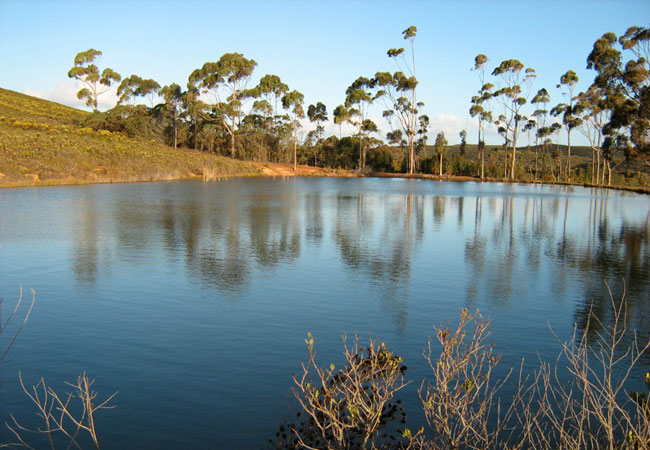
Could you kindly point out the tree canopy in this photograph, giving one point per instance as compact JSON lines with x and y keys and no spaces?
{"x":213,"y":114}
{"x":86,"y":71}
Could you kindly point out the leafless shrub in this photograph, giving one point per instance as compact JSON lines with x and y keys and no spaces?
{"x":459,"y":402}
{"x":592,"y":409}
{"x":578,"y":402}
{"x":62,"y":421}
{"x":348,"y":408}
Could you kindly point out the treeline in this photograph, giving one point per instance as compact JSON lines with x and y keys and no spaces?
{"x":219,"y":111}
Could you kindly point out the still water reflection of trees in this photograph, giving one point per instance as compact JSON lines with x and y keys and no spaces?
{"x":592,"y":245}
{"x":223,"y":238}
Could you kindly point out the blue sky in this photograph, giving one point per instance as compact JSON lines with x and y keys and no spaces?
{"x":316,"y":47}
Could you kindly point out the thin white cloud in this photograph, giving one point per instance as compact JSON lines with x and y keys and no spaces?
{"x":450,"y":124}
{"x":65,"y":93}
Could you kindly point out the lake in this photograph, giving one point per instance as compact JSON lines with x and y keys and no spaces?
{"x":193,"y":299}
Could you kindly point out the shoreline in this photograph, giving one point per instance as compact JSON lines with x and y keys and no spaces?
{"x":263,"y":169}
{"x":276,"y":170}
{"x":458,"y":178}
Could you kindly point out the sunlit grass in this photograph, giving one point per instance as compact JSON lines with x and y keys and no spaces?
{"x":42,"y":142}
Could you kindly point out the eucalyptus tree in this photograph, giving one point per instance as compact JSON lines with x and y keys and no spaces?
{"x":625,"y":90}
{"x":134,"y":86}
{"x":400,"y":90}
{"x":421,"y":138}
{"x":540,"y":101}
{"x":224,"y":82}
{"x":270,"y":123}
{"x":340,"y":116}
{"x":396,"y":137}
{"x":530,"y":127}
{"x":423,"y":129}
{"x":318,"y":114}
{"x":570,"y":118}
{"x":550,"y":132}
{"x":367,"y":127}
{"x":173,"y":106}
{"x":148,"y":88}
{"x":197,"y":115}
{"x":292,"y":101}
{"x":126,"y":89}
{"x":595,"y":115}
{"x":394,"y":89}
{"x":271,"y":89}
{"x":463,"y":142}
{"x":262,"y":108}
{"x":357,"y":101}
{"x":439,"y":145}
{"x":86,"y":71}
{"x":479,"y":108}
{"x":512,"y":96}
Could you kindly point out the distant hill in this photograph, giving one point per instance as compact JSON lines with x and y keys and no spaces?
{"x":43,"y":142}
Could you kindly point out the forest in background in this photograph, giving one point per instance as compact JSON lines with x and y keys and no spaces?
{"x":218,"y":112}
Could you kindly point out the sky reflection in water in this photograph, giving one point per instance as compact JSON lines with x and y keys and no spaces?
{"x":193,"y":299}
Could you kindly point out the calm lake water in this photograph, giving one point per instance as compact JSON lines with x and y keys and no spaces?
{"x":193,"y":299}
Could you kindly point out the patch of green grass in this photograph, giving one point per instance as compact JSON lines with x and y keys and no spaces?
{"x":42,"y":142}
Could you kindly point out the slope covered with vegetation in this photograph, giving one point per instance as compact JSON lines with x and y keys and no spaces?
{"x":42,"y":142}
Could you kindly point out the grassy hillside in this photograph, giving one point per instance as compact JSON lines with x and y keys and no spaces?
{"x":42,"y":142}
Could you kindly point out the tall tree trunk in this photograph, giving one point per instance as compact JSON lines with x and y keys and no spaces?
{"x":593,"y":164}
{"x":411,"y":154}
{"x":295,"y":148}
{"x":483,"y":158}
{"x":481,"y":149}
{"x":440,"y":172}
{"x":175,"y":130}
{"x":514,"y":154}
{"x":360,"y":153}
{"x":413,"y":118}
{"x":536,"y":161}
{"x":568,"y":157}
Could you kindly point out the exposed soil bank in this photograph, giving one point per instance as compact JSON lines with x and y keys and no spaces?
{"x":257,"y":169}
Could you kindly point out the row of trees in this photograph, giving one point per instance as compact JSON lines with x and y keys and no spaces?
{"x":613,"y":113}
{"x":218,"y":111}
{"x":210,"y":113}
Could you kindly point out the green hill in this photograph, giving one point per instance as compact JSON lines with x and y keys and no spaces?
{"x":43,"y":142}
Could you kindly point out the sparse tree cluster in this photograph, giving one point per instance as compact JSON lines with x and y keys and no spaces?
{"x":612,"y":113}
{"x":220,"y":111}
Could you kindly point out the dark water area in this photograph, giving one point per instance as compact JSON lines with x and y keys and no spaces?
{"x":193,"y":299}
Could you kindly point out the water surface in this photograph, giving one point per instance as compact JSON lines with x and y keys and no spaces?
{"x":193,"y":299}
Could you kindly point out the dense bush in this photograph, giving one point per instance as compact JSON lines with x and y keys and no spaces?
{"x":380,"y":160}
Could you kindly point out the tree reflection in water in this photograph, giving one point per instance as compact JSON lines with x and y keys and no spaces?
{"x":224,"y":234}
{"x":585,"y":247}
